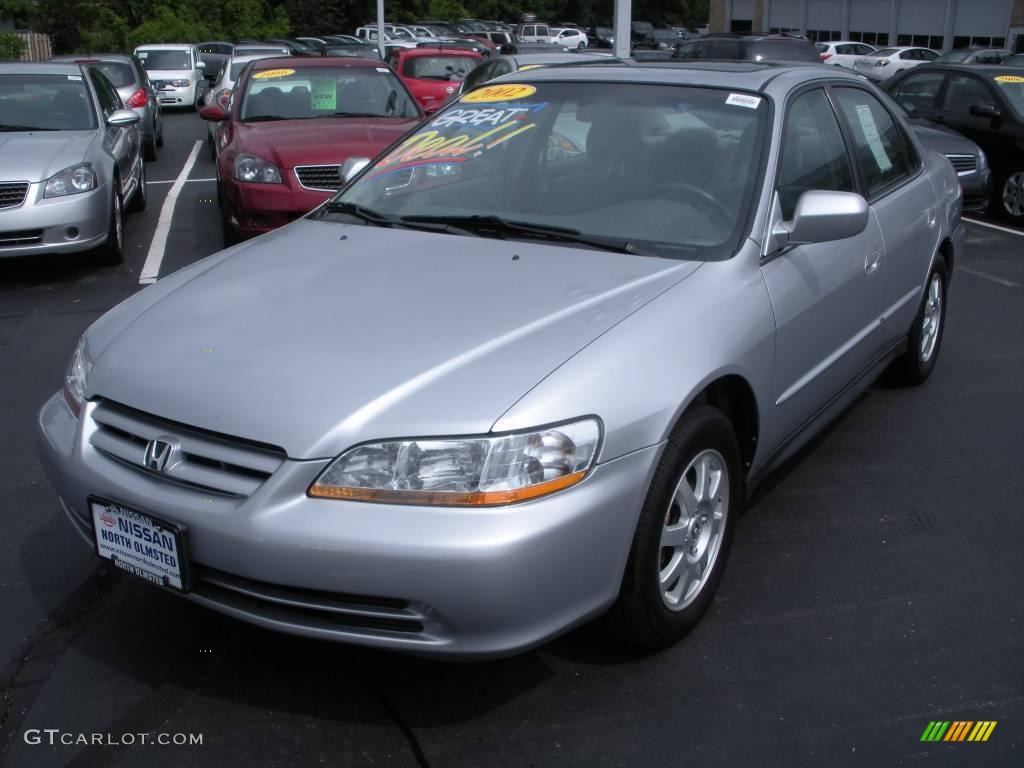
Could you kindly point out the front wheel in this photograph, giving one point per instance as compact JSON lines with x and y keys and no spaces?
{"x":1010,"y":194}
{"x":925,"y":337}
{"x":684,"y":534}
{"x":112,"y":251}
{"x":581,"y":46}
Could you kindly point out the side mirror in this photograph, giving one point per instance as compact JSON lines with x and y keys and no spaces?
{"x":822,"y":216}
{"x":911,"y":109}
{"x":213,"y":113}
{"x":985,"y":110}
{"x":351,"y":167}
{"x":201,"y":64}
{"x":121,"y":117}
{"x":433,"y":107}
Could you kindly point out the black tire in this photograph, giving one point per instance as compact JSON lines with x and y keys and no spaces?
{"x":913,"y":366}
{"x":111,"y":252}
{"x":1008,"y":196}
{"x":149,"y":150}
{"x":227,"y":232}
{"x":160,"y":134}
{"x":641,"y":615}
{"x":141,"y":196}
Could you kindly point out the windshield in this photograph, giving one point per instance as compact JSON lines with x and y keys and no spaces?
{"x":165,"y":60}
{"x":1012,"y":88}
{"x":120,"y":75}
{"x":45,"y":103}
{"x":670,"y":169}
{"x":439,"y":67}
{"x":307,"y":92}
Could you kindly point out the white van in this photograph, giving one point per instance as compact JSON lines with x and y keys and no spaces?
{"x":176,"y":72}
{"x":536,"y":33}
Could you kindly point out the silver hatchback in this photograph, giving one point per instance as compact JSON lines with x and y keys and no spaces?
{"x":524,"y":369}
{"x":72,"y":161}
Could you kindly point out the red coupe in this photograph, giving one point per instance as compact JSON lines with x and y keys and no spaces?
{"x":290,"y":125}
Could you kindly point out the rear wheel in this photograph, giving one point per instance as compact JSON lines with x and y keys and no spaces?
{"x":139,"y":199}
{"x":684,"y":534}
{"x":111,"y":252}
{"x":925,"y":337}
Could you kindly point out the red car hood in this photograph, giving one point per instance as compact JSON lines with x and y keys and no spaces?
{"x":321,"y":141}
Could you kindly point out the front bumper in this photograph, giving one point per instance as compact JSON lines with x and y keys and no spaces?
{"x":977,"y":187}
{"x":431,"y":581}
{"x":46,"y":225}
{"x":254,"y":209}
{"x":172,"y":96}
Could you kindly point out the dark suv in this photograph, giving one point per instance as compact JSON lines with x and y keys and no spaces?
{"x":749,"y":48}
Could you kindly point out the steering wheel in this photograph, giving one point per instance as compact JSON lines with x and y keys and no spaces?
{"x":670,"y":190}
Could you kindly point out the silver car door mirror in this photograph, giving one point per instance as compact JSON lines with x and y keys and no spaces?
{"x":353,"y":166}
{"x":822,"y":216}
{"x":122,"y":117}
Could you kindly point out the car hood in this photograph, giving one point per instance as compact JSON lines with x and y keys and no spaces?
{"x":322,"y":335}
{"x":169,"y":74}
{"x":941,"y":139}
{"x":325,"y":140}
{"x":38,"y":155}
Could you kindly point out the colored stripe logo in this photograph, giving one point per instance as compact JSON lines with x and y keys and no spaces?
{"x":958,"y":730}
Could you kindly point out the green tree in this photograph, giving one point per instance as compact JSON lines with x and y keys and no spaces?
{"x":11,"y":47}
{"x":445,"y":10}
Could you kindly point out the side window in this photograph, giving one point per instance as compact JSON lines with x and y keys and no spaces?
{"x":963,"y":92}
{"x":814,"y":155}
{"x":727,"y":49}
{"x":686,"y":51}
{"x":845,"y":50}
{"x":910,"y":55}
{"x":106,"y":94}
{"x":863,"y":50}
{"x":927,"y":55}
{"x":919,"y":89}
{"x":884,"y":156}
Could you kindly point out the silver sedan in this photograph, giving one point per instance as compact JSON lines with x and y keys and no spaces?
{"x":524,"y":370}
{"x":72,"y":162}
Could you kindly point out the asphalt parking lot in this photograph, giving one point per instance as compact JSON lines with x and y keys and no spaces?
{"x":875,"y":585}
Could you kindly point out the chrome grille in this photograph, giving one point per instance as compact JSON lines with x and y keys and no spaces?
{"x":12,"y":193}
{"x":323,"y":178}
{"x":20,"y":237}
{"x":206,"y":462}
{"x":963,"y":163}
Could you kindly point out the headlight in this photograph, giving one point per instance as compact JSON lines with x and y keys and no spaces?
{"x":77,"y":377}
{"x":181,"y":83}
{"x":982,"y":159}
{"x":256,"y":169}
{"x":71,"y":181}
{"x":464,"y":472}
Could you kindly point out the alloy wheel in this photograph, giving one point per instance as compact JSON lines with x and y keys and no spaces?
{"x":932,"y":318}
{"x":693,"y":529}
{"x":1013,"y":194}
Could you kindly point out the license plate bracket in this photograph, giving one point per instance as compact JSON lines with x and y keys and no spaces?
{"x":140,"y":544}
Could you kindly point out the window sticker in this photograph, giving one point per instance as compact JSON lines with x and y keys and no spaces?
{"x":270,"y":74}
{"x":530,"y":66}
{"x":743,"y":100}
{"x":1009,"y":79}
{"x":867,"y":124}
{"x":461,"y":135}
{"x":383,"y":69}
{"x":493,"y":93}
{"x":324,"y":94}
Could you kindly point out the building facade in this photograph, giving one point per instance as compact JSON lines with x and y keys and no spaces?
{"x":938,"y":24}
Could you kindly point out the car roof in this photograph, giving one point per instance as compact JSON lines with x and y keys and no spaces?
{"x":40,"y":68}
{"x":981,"y":69}
{"x":88,"y":58}
{"x":272,"y":62}
{"x":164,"y":47}
{"x":437,"y":50}
{"x":527,"y":58}
{"x":741,"y":75}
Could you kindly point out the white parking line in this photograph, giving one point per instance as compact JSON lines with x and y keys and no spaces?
{"x":151,"y":269}
{"x":1016,"y":232}
{"x":172,"y":181}
{"x":987,"y":276}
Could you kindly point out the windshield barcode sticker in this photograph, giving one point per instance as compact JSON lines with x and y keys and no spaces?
{"x":74,"y":77}
{"x":743,"y":100}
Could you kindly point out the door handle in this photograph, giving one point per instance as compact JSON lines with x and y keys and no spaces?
{"x":871,"y":260}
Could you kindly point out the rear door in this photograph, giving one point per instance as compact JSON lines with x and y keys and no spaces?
{"x":121,"y":141}
{"x":963,"y":91}
{"x":827,"y":297}
{"x":902,"y":201}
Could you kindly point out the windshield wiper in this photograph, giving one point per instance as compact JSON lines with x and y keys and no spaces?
{"x":352,"y":114}
{"x":263,"y":118}
{"x":501,"y":226}
{"x":4,"y":127}
{"x":370,"y":216}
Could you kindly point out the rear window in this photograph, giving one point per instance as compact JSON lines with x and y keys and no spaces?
{"x":445,"y":68}
{"x":883,"y":52}
{"x":117,"y":73}
{"x":782,"y":50}
{"x":165,"y":60}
